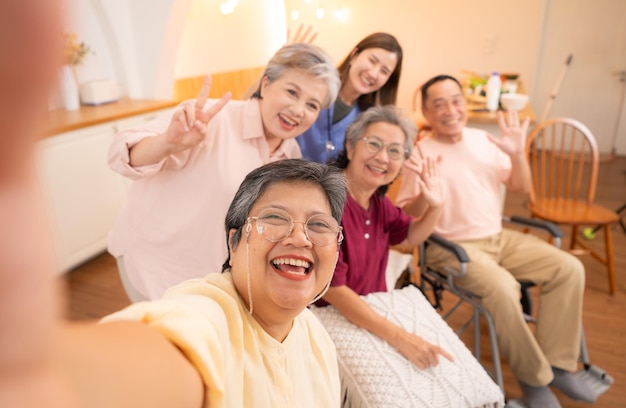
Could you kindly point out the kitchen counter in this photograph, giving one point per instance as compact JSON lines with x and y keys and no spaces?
{"x":478,"y":116}
{"x":61,"y":120}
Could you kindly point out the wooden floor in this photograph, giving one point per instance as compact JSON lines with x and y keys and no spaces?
{"x":95,"y":290}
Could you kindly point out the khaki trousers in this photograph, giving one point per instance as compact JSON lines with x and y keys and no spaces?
{"x":496,"y":264}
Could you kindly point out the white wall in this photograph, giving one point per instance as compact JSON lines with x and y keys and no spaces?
{"x":437,"y":37}
{"x":212,"y":42}
{"x":594,"y":33}
{"x":145,"y":34}
{"x":146,"y":44}
{"x":85,"y":21}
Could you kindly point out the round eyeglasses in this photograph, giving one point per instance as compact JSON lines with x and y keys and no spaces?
{"x":395,"y":151}
{"x":276,"y":225}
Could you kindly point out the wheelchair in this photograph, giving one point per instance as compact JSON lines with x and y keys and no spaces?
{"x":435,"y":283}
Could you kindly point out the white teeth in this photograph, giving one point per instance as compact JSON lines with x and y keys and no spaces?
{"x":451,"y":122}
{"x":289,"y":122}
{"x":292,"y":262}
{"x":378,"y":169}
{"x":367,"y":81}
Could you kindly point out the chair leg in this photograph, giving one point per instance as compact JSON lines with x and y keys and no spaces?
{"x":572,"y":242}
{"x":610,"y":261}
{"x":621,"y":220}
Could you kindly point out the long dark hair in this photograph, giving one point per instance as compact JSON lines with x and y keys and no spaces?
{"x":388,"y":93}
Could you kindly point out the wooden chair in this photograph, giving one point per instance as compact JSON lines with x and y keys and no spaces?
{"x":563,"y":157}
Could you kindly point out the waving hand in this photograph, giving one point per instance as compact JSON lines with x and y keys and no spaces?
{"x":430,"y":183}
{"x":512,"y":139}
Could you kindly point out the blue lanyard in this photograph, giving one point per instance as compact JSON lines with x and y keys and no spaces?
{"x":330,"y":146}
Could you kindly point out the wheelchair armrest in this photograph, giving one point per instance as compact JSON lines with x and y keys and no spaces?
{"x":547,"y":226}
{"x":455,"y":249}
{"x":450,"y":246}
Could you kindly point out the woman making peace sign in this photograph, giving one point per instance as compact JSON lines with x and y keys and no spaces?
{"x":186,"y":168}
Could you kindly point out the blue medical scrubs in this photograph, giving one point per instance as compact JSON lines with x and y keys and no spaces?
{"x":324,"y":140}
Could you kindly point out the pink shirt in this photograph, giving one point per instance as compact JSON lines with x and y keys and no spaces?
{"x":473,"y":170}
{"x":172,"y":226}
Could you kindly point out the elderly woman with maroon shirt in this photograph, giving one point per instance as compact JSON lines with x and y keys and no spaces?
{"x":376,"y":147}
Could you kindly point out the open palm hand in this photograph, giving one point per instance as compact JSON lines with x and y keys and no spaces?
{"x":430,"y":182}
{"x":512,"y":139}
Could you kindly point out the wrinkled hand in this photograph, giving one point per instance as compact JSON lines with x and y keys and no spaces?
{"x":512,"y":139}
{"x":307,"y":37}
{"x":188,"y":125}
{"x":420,"y":352}
{"x":430,"y":182}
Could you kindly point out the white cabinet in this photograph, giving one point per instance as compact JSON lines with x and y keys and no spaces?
{"x":82,"y":194}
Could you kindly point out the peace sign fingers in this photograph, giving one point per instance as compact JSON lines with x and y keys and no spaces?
{"x":205,"y":116}
{"x":203,"y":96}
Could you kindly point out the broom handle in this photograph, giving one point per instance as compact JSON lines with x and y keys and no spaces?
{"x":555,"y":90}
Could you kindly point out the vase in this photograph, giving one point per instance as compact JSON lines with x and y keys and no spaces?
{"x":69,"y":88}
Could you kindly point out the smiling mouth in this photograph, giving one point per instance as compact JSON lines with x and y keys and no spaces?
{"x":292,"y":266}
{"x":367,"y":81}
{"x":377,"y":169}
{"x":287,"y":120}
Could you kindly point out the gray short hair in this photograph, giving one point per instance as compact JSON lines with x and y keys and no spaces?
{"x":330,"y":179}
{"x":306,"y":58}
{"x":389,"y":114}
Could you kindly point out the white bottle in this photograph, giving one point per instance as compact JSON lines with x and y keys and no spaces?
{"x":494,"y":85}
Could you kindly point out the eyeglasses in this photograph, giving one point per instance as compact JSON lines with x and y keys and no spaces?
{"x":395,"y":151}
{"x":276,"y":225}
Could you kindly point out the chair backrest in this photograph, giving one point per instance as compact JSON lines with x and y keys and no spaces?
{"x":563,"y":157}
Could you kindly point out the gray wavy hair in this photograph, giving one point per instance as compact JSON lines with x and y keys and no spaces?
{"x":388,"y":114}
{"x":330,"y":179}
{"x":306,"y":58}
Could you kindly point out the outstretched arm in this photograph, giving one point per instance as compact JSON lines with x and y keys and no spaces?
{"x":186,"y":130}
{"x":127,"y":364}
{"x":43,"y":362}
{"x":417,"y":350}
{"x":47,"y":363}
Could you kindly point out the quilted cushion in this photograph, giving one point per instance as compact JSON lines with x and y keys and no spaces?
{"x":376,"y":375}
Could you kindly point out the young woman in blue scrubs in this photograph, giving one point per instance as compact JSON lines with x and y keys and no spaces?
{"x":369,"y":77}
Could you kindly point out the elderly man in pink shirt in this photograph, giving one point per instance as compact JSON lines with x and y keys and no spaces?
{"x":473,"y":166}
{"x":187,"y":167}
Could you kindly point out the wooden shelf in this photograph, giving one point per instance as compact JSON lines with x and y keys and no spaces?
{"x":61,"y":120}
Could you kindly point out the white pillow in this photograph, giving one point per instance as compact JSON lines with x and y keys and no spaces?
{"x":397,"y":263}
{"x":374,"y":374}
